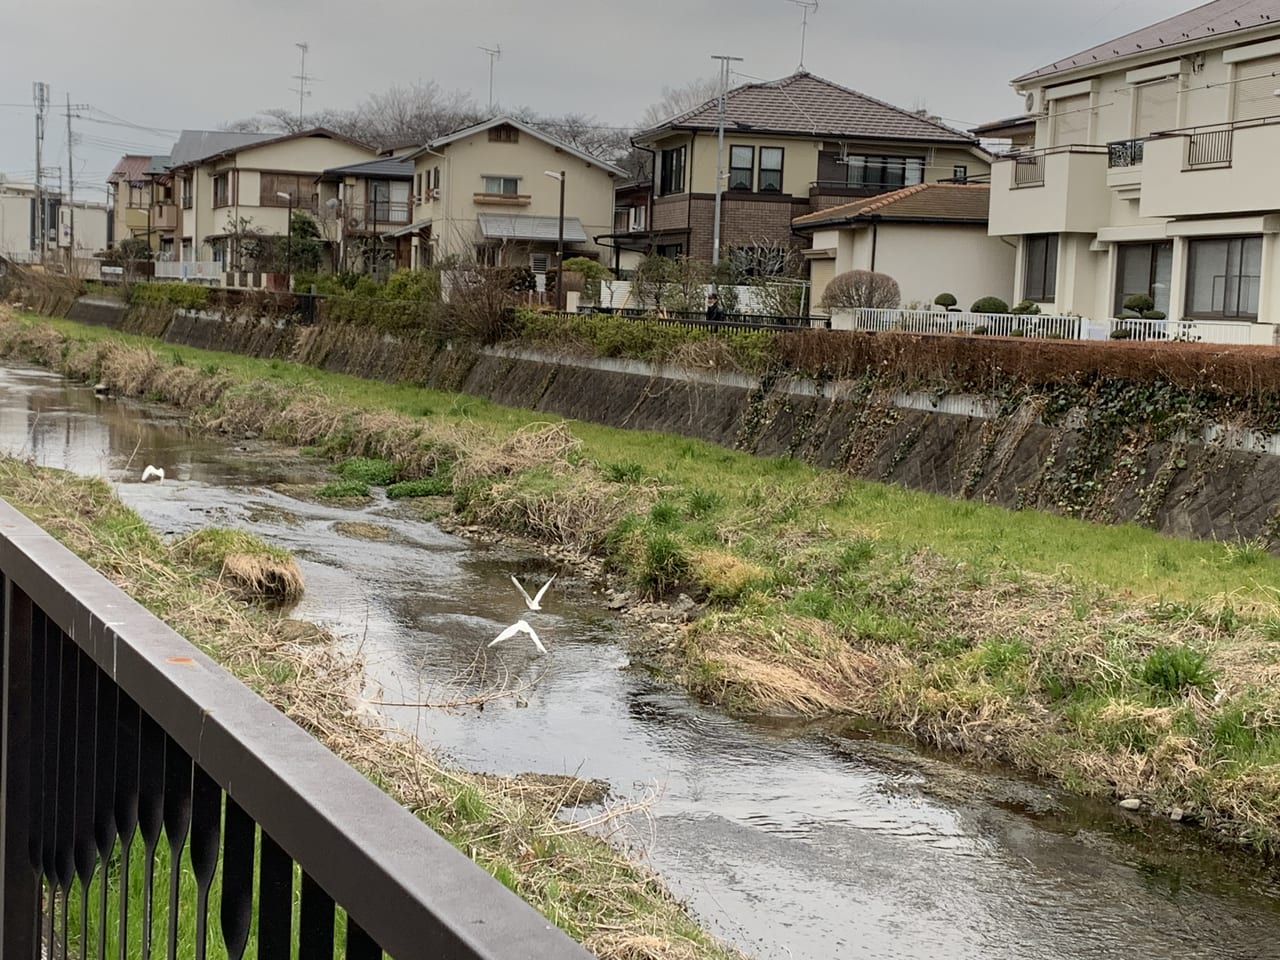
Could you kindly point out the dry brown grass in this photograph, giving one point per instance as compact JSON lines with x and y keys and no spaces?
{"x":265,"y":577}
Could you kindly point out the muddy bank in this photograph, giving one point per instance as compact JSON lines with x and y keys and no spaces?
{"x":1213,"y":484}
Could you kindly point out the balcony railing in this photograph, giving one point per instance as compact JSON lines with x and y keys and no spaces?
{"x":119,"y":739}
{"x":1125,"y":153}
{"x":1209,"y":148}
{"x":504,"y":199}
{"x":1028,"y":171}
{"x":373,"y":216}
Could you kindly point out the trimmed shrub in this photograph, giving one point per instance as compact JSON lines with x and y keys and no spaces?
{"x":1139,"y":303}
{"x":989,"y":305}
{"x":1121,"y":333}
{"x":1154,"y":315}
{"x":862,"y":288}
{"x":1026,"y":308}
{"x":945,"y":300}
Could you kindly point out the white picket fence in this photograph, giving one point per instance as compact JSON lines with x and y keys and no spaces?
{"x":1052,"y":327}
{"x":203,"y":270}
{"x":621,"y":295}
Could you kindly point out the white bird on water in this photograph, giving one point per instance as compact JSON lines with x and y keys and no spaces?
{"x":150,"y":472}
{"x":520,"y":626}
{"x":534,"y":603}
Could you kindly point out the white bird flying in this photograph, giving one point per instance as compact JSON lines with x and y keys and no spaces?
{"x":536,"y":602}
{"x":150,"y":472}
{"x":520,"y":626}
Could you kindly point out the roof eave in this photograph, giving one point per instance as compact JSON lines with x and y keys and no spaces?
{"x":957,"y":139}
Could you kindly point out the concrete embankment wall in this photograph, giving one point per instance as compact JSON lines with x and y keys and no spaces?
{"x":1220,"y":485}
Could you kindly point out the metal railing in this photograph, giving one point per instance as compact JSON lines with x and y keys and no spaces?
{"x":731,"y":321}
{"x":116,"y":734}
{"x":1125,"y":153}
{"x":974,"y":324}
{"x":371,"y":216}
{"x":1028,"y":171}
{"x":1209,"y":148}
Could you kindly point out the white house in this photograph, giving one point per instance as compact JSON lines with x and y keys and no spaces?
{"x":931,"y":238}
{"x":1153,"y":172}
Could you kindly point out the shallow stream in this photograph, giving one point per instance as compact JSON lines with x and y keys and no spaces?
{"x":790,"y":841}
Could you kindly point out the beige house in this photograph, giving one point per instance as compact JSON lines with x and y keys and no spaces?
{"x":792,"y":147}
{"x":931,"y":238}
{"x":1154,"y":173}
{"x":361,"y":202}
{"x":250,"y":187}
{"x":484,"y":194}
{"x":131,"y":200}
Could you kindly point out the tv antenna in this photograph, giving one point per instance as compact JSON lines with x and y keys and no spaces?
{"x":808,"y":6}
{"x":302,"y":77}
{"x":494,"y":54}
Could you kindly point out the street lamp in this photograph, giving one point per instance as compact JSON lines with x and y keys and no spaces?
{"x":560,"y":298}
{"x":288,"y":249}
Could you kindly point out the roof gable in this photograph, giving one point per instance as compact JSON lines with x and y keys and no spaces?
{"x":1217,"y":19}
{"x":132,"y":168}
{"x":924,"y":202}
{"x":384,"y":168}
{"x":807,"y":105}
{"x":195,"y":145}
{"x":316,"y":133}
{"x":525,"y":128}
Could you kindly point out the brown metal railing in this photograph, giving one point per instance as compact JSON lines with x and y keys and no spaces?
{"x":116,"y":734}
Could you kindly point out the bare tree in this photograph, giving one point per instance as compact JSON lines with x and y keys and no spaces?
{"x":678,"y":100}
{"x":862,"y":288}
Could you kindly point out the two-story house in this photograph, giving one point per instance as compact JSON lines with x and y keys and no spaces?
{"x":491,"y":193}
{"x":1153,"y":172}
{"x":131,"y":200}
{"x":361,"y":202}
{"x":791,"y":147}
{"x":249,"y":188}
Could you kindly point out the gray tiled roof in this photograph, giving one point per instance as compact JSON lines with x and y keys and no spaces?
{"x":806,"y":105}
{"x":514,"y":226}
{"x":195,"y":145}
{"x":927,"y":202}
{"x":384,"y":168}
{"x":1216,"y":19}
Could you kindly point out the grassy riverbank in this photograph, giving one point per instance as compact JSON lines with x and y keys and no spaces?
{"x":507,"y":825}
{"x":1122,"y":662}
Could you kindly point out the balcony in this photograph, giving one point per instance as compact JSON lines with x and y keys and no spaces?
{"x":1058,"y":190}
{"x":376,"y":217}
{"x":164,"y":217}
{"x":1217,"y":170}
{"x":504,"y":199}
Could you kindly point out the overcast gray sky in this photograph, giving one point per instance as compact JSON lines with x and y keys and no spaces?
{"x":189,"y":64}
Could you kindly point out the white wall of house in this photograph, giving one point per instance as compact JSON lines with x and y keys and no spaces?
{"x":15,"y":224}
{"x":926,"y":259}
{"x":464,"y":166}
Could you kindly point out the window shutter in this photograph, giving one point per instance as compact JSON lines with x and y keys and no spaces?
{"x":1255,"y":89}
{"x":1071,"y":120}
{"x":1157,"y":106}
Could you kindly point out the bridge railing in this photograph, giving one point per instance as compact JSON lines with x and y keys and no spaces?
{"x":116,"y":734}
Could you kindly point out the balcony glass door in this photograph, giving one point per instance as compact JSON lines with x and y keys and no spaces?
{"x":1144,"y":268}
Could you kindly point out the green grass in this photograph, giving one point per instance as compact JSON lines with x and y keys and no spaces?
{"x":368,"y":470}
{"x":427,"y":487}
{"x":343,"y":489}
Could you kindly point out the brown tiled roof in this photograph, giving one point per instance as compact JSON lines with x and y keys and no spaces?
{"x":806,"y":105}
{"x":1216,"y":19}
{"x":131,"y":168}
{"x":925,"y":202}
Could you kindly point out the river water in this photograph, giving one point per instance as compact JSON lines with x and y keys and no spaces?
{"x":790,"y":841}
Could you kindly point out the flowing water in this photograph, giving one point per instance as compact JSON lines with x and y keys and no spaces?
{"x":790,"y":841}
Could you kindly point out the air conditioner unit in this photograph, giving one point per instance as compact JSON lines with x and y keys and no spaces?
{"x":434,"y":193}
{"x":1036,"y":103}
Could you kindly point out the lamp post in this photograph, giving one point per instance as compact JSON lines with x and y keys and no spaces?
{"x":560,"y":298}
{"x":288,"y":249}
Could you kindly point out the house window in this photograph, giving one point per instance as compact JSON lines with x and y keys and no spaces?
{"x":883,"y":173}
{"x":742,"y":162}
{"x":504,"y":134}
{"x":486,"y":256}
{"x":1144,"y":269}
{"x":300,"y":187}
{"x":1069,"y":118}
{"x":435,"y":178}
{"x":417,"y":187}
{"x":1223,"y":277}
{"x":960,"y":173}
{"x":187,"y":253}
{"x":222,"y":190}
{"x":670,"y":251}
{"x":671,"y":179}
{"x":502,"y":186}
{"x":770,"y":169}
{"x":638,"y":215}
{"x":1040,"y":280}
{"x":186,"y":193}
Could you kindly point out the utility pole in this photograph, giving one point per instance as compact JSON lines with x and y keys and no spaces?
{"x":809,"y":6}
{"x":495,"y":54}
{"x":40,"y":97}
{"x":724,"y":105}
{"x":71,"y":181}
{"x":302,"y":78}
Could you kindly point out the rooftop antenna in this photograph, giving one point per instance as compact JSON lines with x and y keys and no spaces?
{"x":494,"y":54}
{"x":302,"y":78}
{"x":809,"y":6}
